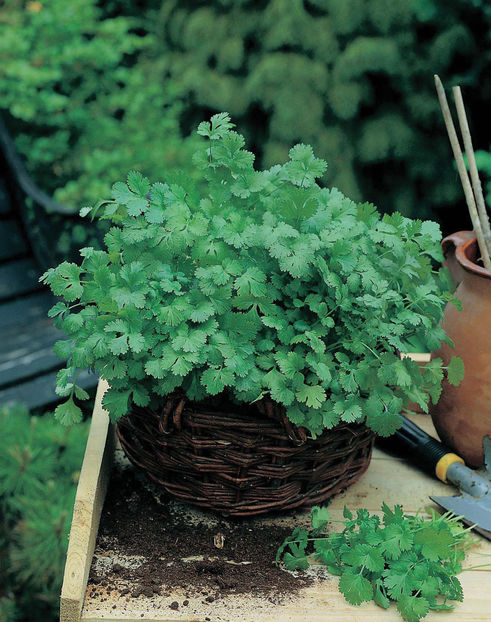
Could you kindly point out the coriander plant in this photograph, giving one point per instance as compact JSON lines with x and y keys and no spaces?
{"x":257,"y":283}
{"x":407,"y":559}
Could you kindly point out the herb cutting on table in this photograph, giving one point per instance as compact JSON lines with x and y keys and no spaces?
{"x":408,"y":559}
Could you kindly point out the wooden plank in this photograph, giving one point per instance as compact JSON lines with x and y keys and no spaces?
{"x":28,"y":351}
{"x":419,"y":357}
{"x":89,"y":499}
{"x":12,"y":242}
{"x":387,"y":479}
{"x":40,"y":391}
{"x":18,"y":277}
{"x":29,"y":365}
{"x":25,"y":310}
{"x":40,"y":329}
{"x":321,"y":602}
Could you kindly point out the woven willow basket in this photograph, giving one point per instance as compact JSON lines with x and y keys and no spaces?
{"x":242,"y":460}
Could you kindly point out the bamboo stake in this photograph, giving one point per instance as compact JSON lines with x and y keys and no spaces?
{"x":459,"y":159}
{"x":471,"y":160}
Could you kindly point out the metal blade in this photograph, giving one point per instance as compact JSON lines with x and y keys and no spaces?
{"x":486,"y":445}
{"x":474,"y":511}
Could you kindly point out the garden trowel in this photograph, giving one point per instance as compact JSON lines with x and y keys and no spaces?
{"x":473,"y":504}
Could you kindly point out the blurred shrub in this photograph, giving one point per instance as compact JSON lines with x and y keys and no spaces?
{"x":483,"y":160}
{"x":39,"y":467}
{"x":354,"y":78}
{"x":146,"y":137}
{"x":82,"y":99}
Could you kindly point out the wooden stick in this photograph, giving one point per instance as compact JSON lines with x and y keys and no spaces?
{"x":459,"y":159}
{"x":471,"y":160}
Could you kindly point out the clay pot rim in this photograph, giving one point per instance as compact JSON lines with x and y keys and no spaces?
{"x":466,"y":249}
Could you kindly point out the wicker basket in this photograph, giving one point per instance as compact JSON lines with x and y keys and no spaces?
{"x":242,"y":460}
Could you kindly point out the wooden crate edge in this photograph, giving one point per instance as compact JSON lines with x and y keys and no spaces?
{"x":91,"y":492}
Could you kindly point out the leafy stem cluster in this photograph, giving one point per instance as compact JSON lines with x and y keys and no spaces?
{"x":257,"y":283}
{"x":407,"y":559}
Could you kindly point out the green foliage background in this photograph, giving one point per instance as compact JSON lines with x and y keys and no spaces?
{"x":353,"y":78}
{"x":85,"y":95}
{"x":483,"y":160}
{"x":39,"y":467}
{"x":95,"y":89}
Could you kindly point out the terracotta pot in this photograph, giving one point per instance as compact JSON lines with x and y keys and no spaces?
{"x":463,"y":414}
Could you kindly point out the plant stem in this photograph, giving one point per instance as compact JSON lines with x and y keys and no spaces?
{"x":479,"y":566}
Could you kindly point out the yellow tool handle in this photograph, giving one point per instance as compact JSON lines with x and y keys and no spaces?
{"x":425,"y":451}
{"x":443,"y":464}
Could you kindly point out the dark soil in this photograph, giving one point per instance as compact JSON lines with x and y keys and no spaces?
{"x":134,"y":523}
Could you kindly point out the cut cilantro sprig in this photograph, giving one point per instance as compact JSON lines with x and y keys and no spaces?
{"x":411,"y":560}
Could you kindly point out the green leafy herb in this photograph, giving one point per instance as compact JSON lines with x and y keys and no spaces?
{"x":455,"y":371}
{"x":407,"y":559}
{"x":256,"y":283}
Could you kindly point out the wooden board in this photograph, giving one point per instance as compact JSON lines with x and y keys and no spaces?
{"x":28,"y":365}
{"x":25,"y":310}
{"x":28,"y":350}
{"x":40,"y":391}
{"x":91,"y":492}
{"x":387,"y":479}
{"x":19,"y":277}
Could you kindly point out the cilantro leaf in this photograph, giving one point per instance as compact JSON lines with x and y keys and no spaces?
{"x":119,"y":345}
{"x":385,"y":418}
{"x":379,"y":595}
{"x":138,"y":184}
{"x":435,"y":543}
{"x":290,"y":363}
{"x":215,"y":380}
{"x":364,"y":555}
{"x":412,"y":608}
{"x":455,"y":370}
{"x":217,"y":128}
{"x":398,"y":577}
{"x":202,"y":312}
{"x":60,"y":308}
{"x":116,"y":402}
{"x":140,"y":396}
{"x":355,"y":588}
{"x":68,"y":413}
{"x":319,"y":517}
{"x":396,"y":539}
{"x":64,"y":281}
{"x":313,"y":396}
{"x":63,"y":348}
{"x":303,"y":168}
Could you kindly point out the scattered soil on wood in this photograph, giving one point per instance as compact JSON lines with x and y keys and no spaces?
{"x":191,"y":550}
